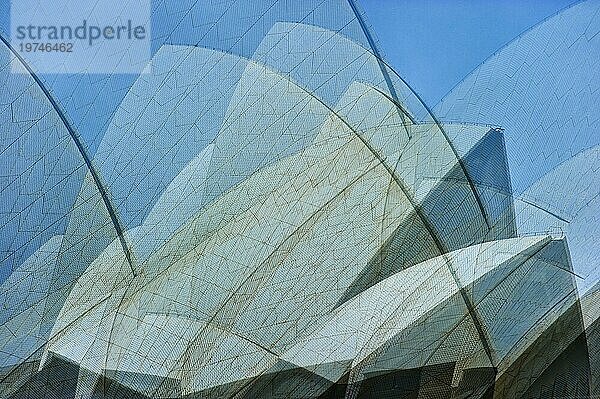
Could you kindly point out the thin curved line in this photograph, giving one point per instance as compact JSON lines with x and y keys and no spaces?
{"x":377,"y":156}
{"x":63,"y":329}
{"x":315,"y":215}
{"x":517,"y":267}
{"x":518,"y":344}
{"x":507,"y":44}
{"x":541,"y":208}
{"x":430,"y":313}
{"x":96,"y":177}
{"x":415,"y":206}
{"x":583,"y":153}
{"x":427,"y":224}
{"x":376,"y":52}
{"x":384,"y":66}
{"x":82,"y":152}
{"x":456,"y":155}
{"x":349,"y":367}
{"x":380,"y":160}
{"x":397,"y":103}
{"x":430,"y":229}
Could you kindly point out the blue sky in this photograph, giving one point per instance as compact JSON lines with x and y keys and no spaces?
{"x":434,"y":44}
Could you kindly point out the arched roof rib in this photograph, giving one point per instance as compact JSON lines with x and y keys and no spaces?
{"x":390,"y":168}
{"x":80,"y":147}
